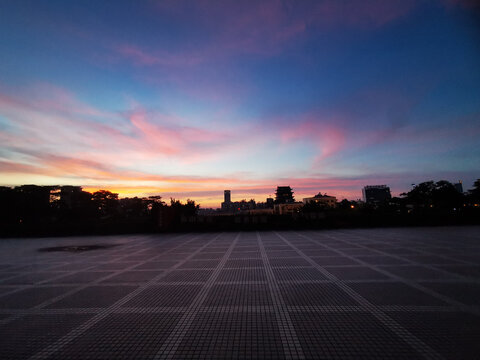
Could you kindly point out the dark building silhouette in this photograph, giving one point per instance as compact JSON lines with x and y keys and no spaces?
{"x":227,"y":196}
{"x":235,"y":206}
{"x":227,"y":200}
{"x":459,"y":187}
{"x":269,"y":203}
{"x":376,"y":194}
{"x":284,"y":195}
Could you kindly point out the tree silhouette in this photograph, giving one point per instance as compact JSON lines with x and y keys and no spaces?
{"x":421,"y":195}
{"x":430,"y":194}
{"x":474,"y":193}
{"x":105,"y":201}
{"x":446,"y":196}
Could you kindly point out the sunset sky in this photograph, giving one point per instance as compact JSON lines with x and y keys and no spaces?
{"x":187,"y":98}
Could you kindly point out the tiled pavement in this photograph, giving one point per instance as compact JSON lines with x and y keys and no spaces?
{"x":377,"y":293}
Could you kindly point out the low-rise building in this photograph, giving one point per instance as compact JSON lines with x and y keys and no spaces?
{"x":290,"y":208}
{"x":326,"y":200}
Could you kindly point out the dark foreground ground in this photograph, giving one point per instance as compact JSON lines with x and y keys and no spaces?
{"x":377,"y":293}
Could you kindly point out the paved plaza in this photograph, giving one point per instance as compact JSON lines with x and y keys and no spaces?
{"x":353,"y":294}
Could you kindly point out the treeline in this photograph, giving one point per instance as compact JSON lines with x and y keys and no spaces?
{"x":428,"y":203}
{"x":31,"y":210}
{"x":441,"y":197}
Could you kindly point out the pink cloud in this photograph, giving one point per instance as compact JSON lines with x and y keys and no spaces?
{"x":49,"y":97}
{"x":347,"y":131}
{"x":64,"y":166}
{"x":60,"y":121}
{"x":166,"y":135}
{"x":20,"y":168}
{"x":325,"y":134}
{"x":327,"y":138}
{"x":162,"y":139}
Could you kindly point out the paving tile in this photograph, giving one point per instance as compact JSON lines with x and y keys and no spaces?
{"x":156,"y":265}
{"x":355,"y":273}
{"x":295,"y":274}
{"x":5,"y":267}
{"x":26,"y":336}
{"x":455,"y":335}
{"x":334,"y":260}
{"x":467,"y":293}
{"x":358,"y":252}
{"x":187,"y":276}
{"x":33,"y":278}
{"x":122,"y":336}
{"x":282,"y":254}
{"x":71,"y":267}
{"x":238,"y":295}
{"x":414,"y":272}
{"x":139,"y":276}
{"x":6,"y":275}
{"x":315,"y":294}
{"x":93,"y":297}
{"x":83,"y":277}
{"x":239,"y":335}
{"x":381,"y":260}
{"x":348,"y":336}
{"x":394,"y":293}
{"x":241,"y":315}
{"x":200,"y":264}
{"x":243,"y":263}
{"x":209,"y":256}
{"x":174,"y":256}
{"x":320,"y":252}
{"x":289,"y":262}
{"x":31,"y":297}
{"x":430,"y":259}
{"x":165,"y":296}
{"x":115,"y":266}
{"x":463,"y":270}
{"x":239,"y":275}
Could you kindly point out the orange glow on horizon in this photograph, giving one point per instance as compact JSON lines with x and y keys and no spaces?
{"x":124,"y":192}
{"x":212,"y":200}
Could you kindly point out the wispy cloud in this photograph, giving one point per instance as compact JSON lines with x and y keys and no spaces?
{"x":141,"y":150}
{"x":59,"y":122}
{"x":259,"y":28}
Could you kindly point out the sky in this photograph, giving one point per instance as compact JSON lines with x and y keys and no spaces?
{"x":185,"y":99}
